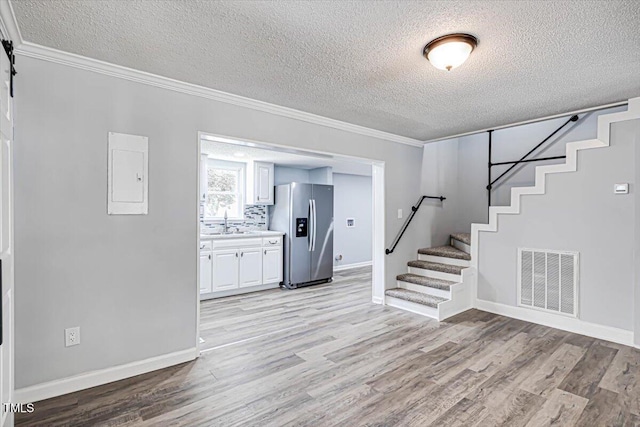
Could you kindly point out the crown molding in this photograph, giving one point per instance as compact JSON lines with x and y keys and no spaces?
{"x":8,"y":23}
{"x":44,"y":53}
{"x":526,"y":122}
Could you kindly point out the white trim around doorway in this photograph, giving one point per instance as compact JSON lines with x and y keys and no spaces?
{"x":377,"y":181}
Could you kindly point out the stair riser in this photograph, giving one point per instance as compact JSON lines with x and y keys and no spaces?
{"x":434,"y":274}
{"x":412,"y":307}
{"x":424,"y":289}
{"x":444,"y":260}
{"x":462,"y":246}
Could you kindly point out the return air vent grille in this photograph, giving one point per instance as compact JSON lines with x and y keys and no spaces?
{"x":548,"y":280}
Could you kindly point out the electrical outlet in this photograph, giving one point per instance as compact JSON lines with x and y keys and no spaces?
{"x":72,"y":336}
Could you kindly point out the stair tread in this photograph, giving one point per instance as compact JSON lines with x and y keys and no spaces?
{"x":429,"y":282}
{"x":445,"y":251}
{"x":462,"y":237}
{"x":436,"y":266}
{"x":413,"y":296}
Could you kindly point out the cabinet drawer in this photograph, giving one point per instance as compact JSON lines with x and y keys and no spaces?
{"x":272,"y":241}
{"x":236,"y":243}
{"x":206,"y":245}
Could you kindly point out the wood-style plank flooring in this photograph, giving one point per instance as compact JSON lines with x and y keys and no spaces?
{"x":325,"y":356}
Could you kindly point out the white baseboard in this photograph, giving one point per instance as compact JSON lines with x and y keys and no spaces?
{"x":238,"y":291}
{"x":354,"y":265}
{"x":90,"y":379}
{"x":377,"y":300}
{"x":569,"y":324}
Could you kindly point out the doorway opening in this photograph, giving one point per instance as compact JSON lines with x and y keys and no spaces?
{"x":265,"y":211}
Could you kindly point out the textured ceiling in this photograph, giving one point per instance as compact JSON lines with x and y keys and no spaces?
{"x":223,"y":151}
{"x":361,"y":61}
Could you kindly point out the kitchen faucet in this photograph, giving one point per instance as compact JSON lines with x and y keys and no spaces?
{"x":226,"y":225}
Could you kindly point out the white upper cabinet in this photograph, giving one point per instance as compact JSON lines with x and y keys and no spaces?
{"x":260,"y":183}
{"x":128,"y":186}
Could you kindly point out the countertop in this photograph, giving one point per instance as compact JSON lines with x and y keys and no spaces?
{"x":246,"y":235}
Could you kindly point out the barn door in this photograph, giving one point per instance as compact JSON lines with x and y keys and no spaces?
{"x":6,"y":240}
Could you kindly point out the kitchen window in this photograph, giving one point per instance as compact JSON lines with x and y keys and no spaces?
{"x":225,"y":190}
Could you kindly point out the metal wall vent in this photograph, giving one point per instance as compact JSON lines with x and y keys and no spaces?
{"x":548,"y":280}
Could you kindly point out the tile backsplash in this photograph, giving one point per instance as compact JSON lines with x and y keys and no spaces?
{"x":255,"y":218}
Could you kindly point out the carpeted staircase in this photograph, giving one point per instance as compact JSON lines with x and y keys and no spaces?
{"x":434,"y":285}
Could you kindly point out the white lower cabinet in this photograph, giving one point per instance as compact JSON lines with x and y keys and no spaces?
{"x":272,"y":264}
{"x":225,"y":269}
{"x":250,"y":272}
{"x":206,"y":269}
{"x":226,"y":265}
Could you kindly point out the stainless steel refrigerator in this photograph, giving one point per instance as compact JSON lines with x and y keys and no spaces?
{"x":304,"y":212}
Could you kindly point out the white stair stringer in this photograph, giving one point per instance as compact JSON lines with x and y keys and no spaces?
{"x":461,"y":296}
{"x":570,"y":165}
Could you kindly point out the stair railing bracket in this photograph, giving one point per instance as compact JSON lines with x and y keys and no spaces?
{"x":414,"y":209}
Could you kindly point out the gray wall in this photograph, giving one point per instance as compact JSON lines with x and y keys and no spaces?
{"x":352,"y":199}
{"x":579,"y":213}
{"x":130,"y":281}
{"x":636,"y":194}
{"x":435,"y":220}
{"x":509,"y":144}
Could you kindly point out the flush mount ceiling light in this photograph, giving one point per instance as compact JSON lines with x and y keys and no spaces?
{"x":450,"y":51}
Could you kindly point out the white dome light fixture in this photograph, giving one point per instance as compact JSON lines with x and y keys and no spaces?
{"x":450,"y":51}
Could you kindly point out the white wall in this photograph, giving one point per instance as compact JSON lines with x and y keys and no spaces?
{"x":322,"y":175}
{"x":130,"y":281}
{"x":352,"y":199}
{"x":579,"y":212}
{"x":285,"y":175}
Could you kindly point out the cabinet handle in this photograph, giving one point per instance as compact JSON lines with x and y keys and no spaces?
{"x":209,"y":256}
{"x":272,"y":243}
{"x":236,"y":254}
{"x":265,"y":251}
{"x":201,"y":246}
{"x":241,"y":254}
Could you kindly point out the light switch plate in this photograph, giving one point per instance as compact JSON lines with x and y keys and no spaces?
{"x":621,"y":188}
{"x":399,"y":213}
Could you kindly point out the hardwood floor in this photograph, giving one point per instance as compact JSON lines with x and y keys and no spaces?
{"x":324,"y":356}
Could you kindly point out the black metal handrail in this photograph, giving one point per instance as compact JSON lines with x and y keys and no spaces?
{"x":523,"y":159}
{"x":414,"y":209}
